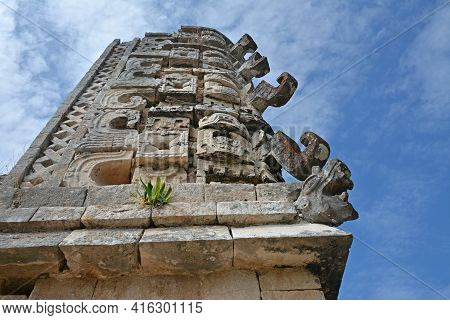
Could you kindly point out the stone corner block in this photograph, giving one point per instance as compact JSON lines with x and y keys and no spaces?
{"x":242,"y":213}
{"x":186,"y":249}
{"x":102,"y":252}
{"x":221,"y":192}
{"x":185,"y":214}
{"x":295,"y":245}
{"x":128,"y":216}
{"x":57,"y":218}
{"x":50,"y":197}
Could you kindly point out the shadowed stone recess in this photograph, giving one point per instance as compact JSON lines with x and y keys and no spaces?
{"x":64,"y":289}
{"x":30,"y":254}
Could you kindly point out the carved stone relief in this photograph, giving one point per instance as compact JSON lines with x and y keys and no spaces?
{"x":183,"y":106}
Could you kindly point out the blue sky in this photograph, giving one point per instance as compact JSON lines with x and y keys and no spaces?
{"x":388,"y":117}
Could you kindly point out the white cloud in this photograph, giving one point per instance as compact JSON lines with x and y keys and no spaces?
{"x":428,"y":63}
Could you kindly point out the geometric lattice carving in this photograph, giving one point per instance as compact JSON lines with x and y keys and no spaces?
{"x":43,"y":166}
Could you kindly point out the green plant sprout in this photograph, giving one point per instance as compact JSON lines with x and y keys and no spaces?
{"x":155,"y":195}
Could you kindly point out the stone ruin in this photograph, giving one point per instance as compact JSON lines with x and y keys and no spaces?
{"x":180,"y":106}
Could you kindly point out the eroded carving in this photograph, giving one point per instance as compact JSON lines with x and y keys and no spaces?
{"x":295,"y":161}
{"x":324,"y":198}
{"x":266,"y":95}
{"x":99,"y":169}
{"x":179,"y":87}
{"x":245,"y":45}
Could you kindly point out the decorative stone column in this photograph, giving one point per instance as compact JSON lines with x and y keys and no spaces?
{"x":182,"y":107}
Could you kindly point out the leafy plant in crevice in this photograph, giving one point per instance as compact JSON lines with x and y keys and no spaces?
{"x":154,"y":195}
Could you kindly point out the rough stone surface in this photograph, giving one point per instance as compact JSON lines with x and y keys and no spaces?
{"x":231,"y":285}
{"x":184,"y":214}
{"x":288,"y":279}
{"x":186,"y":249}
{"x":63,"y":289}
{"x":175,"y":287}
{"x":57,"y":218}
{"x":282,"y":245}
{"x":242,"y":213}
{"x":297,"y":245}
{"x":278,"y":191}
{"x":30,"y":254}
{"x":188,"y":192}
{"x":229,"y":192}
{"x":111,"y":196}
{"x":295,"y":161}
{"x":324,"y":198}
{"x":16,"y":220}
{"x":102,"y":252}
{"x":293,"y":295}
{"x":50,"y":197}
{"x":128,"y":216}
{"x":6,"y":196}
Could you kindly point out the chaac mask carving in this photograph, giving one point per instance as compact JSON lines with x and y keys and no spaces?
{"x":323,"y":196}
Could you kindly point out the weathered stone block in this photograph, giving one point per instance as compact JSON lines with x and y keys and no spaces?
{"x":285,"y":245}
{"x":293,"y":295}
{"x":30,"y":254}
{"x":230,"y":192}
{"x":57,"y":218}
{"x":242,"y":213}
{"x":186,"y":249}
{"x":160,"y":287}
{"x":63,"y":289}
{"x":6,"y":196}
{"x":288,"y":279}
{"x":16,"y":220}
{"x":185,"y":214}
{"x":111,"y":195}
{"x":188,"y":192}
{"x":102,"y":252}
{"x":278,"y":191}
{"x":231,"y":285}
{"x":128,"y":216}
{"x":50,"y":197}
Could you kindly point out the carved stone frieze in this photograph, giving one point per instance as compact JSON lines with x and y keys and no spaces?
{"x":183,"y":106}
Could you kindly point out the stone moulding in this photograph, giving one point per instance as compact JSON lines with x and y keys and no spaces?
{"x":192,"y":251}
